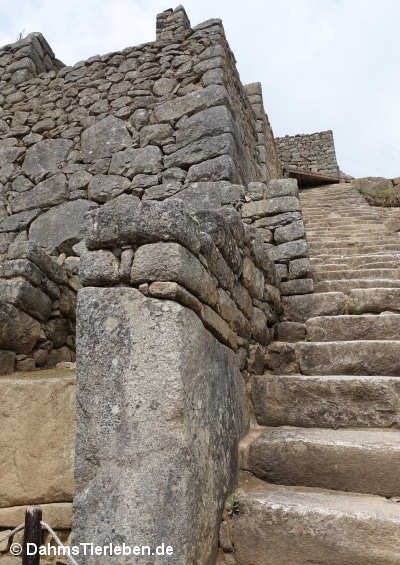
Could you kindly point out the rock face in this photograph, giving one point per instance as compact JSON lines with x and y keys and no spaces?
{"x":38,"y":423}
{"x":198,"y":422}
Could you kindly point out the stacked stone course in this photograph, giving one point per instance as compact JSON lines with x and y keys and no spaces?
{"x":313,"y":152}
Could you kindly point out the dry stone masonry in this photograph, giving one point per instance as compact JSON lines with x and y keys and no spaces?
{"x":314,"y":152}
{"x":230,"y":331}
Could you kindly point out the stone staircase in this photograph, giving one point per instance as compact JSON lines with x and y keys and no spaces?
{"x":323,"y":482}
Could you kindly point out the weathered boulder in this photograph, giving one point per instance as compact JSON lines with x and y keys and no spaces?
{"x":103,"y":138}
{"x":172,"y":262}
{"x":172,"y":109}
{"x":105,"y":187}
{"x":18,"y":331}
{"x":46,"y":157}
{"x":131,"y":162}
{"x":99,"y":268}
{"x":211,"y":195}
{"x":61,"y":227}
{"x":126,"y":220}
{"x":47,"y":193}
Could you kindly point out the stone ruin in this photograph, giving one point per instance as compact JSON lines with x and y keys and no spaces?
{"x":147,"y":187}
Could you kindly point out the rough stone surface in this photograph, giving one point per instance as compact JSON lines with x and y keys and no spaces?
{"x":18,"y":331}
{"x":45,"y":230}
{"x":344,"y":528}
{"x":41,"y":407}
{"x":177,"y":401}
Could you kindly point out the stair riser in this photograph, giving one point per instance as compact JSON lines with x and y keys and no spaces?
{"x":352,"y":328}
{"x":326,"y":402}
{"x":349,"y":358}
{"x":271,"y":530}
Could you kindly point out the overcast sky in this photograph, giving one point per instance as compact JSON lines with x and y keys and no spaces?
{"x":323,"y":64}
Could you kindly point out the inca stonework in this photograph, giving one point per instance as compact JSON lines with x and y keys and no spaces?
{"x":229,"y":330}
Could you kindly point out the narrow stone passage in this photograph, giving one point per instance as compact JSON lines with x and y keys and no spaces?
{"x":328,"y":454}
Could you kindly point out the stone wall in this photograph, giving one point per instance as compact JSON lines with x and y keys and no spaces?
{"x":37,"y":310}
{"x":153,"y":121}
{"x":176,"y":307}
{"x":313,"y":152}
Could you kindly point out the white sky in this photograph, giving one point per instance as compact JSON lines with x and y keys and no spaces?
{"x":323,"y":64}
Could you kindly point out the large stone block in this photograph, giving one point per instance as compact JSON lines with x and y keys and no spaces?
{"x":160,"y":412}
{"x":211,"y":195}
{"x":104,"y":187}
{"x":202,"y":150}
{"x":127,"y":221}
{"x":220,"y":168}
{"x":47,"y":193}
{"x":289,"y":250}
{"x":172,"y":262}
{"x":172,"y":109}
{"x":205,"y":123}
{"x":131,"y":162}
{"x":38,"y":432}
{"x":18,"y":331}
{"x":46,"y":157}
{"x":103,"y":138}
{"x":300,"y":308}
{"x":31,"y":251}
{"x":270,"y":207}
{"x":20,"y":293}
{"x":61,"y":227}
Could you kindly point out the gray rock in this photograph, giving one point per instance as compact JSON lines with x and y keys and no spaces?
{"x":125,"y":393}
{"x":202,"y":150}
{"x":299,"y":268}
{"x":99,"y":268}
{"x":292,"y":231}
{"x":45,"y":157}
{"x":127,"y":221}
{"x":220,"y":168}
{"x":144,"y":181}
{"x":206,"y":123}
{"x":289,"y":250}
{"x":104,"y":138}
{"x":172,"y":262}
{"x":18,"y":331}
{"x":47,"y":193}
{"x":9,"y":153}
{"x":161,"y":191}
{"x":281,"y":187}
{"x":105,"y":187}
{"x":211,"y":195}
{"x":7,"y":362}
{"x":61,"y":227}
{"x":164,"y":86}
{"x":297,"y":286}
{"x":32,"y":252}
{"x":136,"y":161}
{"x":270,"y":207}
{"x":212,"y":95}
{"x":19,"y":221}
{"x":278,"y":220}
{"x":155,"y":134}
{"x":79,"y":179}
{"x":25,"y":296}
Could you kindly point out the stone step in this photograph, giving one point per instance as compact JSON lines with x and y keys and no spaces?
{"x":374,"y":300}
{"x":372,"y":357}
{"x":323,"y":273}
{"x":352,"y":239}
{"x":351,"y":328}
{"x":333,"y":401}
{"x":357,"y":260}
{"x":347,"y":285}
{"x":300,"y":308}
{"x":320,"y":265}
{"x":357,"y":460}
{"x":358,"y":248}
{"x":278,"y":525}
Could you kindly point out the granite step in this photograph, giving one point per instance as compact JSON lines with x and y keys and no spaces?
{"x":358,"y":357}
{"x":300,"y":308}
{"x":323,"y":273}
{"x":283,"y":525}
{"x":346,"y":286}
{"x":374,"y":300}
{"x":326,"y":401}
{"x":358,"y":460}
{"x":354,"y":327}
